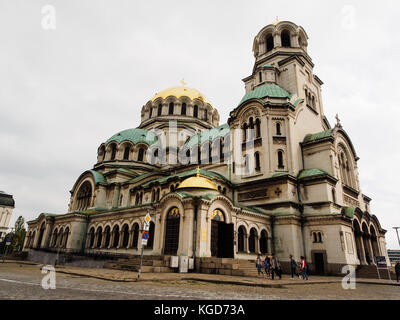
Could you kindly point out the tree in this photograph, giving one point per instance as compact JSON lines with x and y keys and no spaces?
{"x":18,"y":236}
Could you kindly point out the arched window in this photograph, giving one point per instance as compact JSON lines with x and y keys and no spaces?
{"x":158,"y":194}
{"x":319,"y":237}
{"x":285,"y":38}
{"x":251,"y":135}
{"x":183,"y":109}
{"x":278,"y":129}
{"x":205,"y":115}
{"x":159,"y":110}
{"x":252,"y":240}
{"x":195,"y":111}
{"x":241,"y":238}
{"x":91,"y":237}
{"x":66,"y":234}
{"x":172,"y":232}
{"x":270,"y":42}
{"x":153,"y":195}
{"x":151,"y":236}
{"x":257,"y":161}
{"x":280,"y":160}
{"x":116,"y":237}
{"x":61,"y":236}
{"x":313,"y":102}
{"x":246,"y":164}
{"x":333,"y":195}
{"x":260,"y":76}
{"x":84,"y":196}
{"x":150,"y":111}
{"x":245,"y":132}
{"x":41,"y":232}
{"x":126,"y":152}
{"x":135,"y":235}
{"x":107,"y":237}
{"x":125,"y":236}
{"x":171,"y":108}
{"x":263,"y":242}
{"x":102,"y":153}
{"x":113,"y":151}
{"x":99,"y":237}
{"x":258,"y":128}
{"x":54,"y":243}
{"x":140,"y":155}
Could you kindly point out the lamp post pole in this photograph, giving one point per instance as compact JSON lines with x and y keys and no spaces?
{"x":398,"y":239}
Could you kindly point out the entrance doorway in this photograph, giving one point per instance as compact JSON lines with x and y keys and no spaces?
{"x":221,"y":236}
{"x":172,"y":232}
{"x":319,"y":263}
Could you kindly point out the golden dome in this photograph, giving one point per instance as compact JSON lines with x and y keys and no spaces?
{"x":181,"y":91}
{"x":197,"y":182}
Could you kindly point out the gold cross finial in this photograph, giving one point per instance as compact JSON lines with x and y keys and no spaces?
{"x":198,"y":172}
{"x":183,"y":82}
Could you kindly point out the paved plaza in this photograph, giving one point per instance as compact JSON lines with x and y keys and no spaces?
{"x":24,"y":281}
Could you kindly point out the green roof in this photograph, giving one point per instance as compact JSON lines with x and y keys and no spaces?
{"x":185,"y":174}
{"x":208,"y":135}
{"x":135,"y":136}
{"x":267,"y":90}
{"x":348,"y":211}
{"x":98,"y":177}
{"x":267,"y":66}
{"x":310,"y":173}
{"x":317,"y":136}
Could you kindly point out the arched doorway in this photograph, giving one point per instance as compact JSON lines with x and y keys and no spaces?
{"x":172,"y":232}
{"x":221,"y":236}
{"x":99,"y":237}
{"x":91,"y":237}
{"x":374,"y":242}
{"x":252,"y":240}
{"x":241,"y":238}
{"x":115,"y":237}
{"x":263,"y":242}
{"x":107,"y":237}
{"x":125,"y":236}
{"x":366,"y":243}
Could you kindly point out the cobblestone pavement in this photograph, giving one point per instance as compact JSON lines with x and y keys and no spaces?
{"x":24,"y":282}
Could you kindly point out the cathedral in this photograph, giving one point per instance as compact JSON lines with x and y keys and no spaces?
{"x":277,"y":178}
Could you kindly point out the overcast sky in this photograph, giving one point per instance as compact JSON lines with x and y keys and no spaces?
{"x":66,"y":90}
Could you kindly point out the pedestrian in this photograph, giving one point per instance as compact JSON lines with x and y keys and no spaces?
{"x":275,"y":268}
{"x":267,"y":266}
{"x":397,"y":269}
{"x":259,"y":265}
{"x":303,"y":268}
{"x":293,"y":267}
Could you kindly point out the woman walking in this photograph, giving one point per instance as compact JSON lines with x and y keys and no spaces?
{"x":259,"y":265}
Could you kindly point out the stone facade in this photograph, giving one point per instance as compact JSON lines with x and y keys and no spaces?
{"x":277,"y":178}
{"x":7,"y":205}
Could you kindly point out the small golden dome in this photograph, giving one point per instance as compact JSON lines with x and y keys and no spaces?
{"x":181,"y":91}
{"x":198,"y":182}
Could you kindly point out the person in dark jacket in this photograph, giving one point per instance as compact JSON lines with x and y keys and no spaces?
{"x":293,"y":267}
{"x":267,"y":266}
{"x":275,"y":267}
{"x":397,"y":269}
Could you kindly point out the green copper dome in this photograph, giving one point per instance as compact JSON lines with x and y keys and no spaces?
{"x":135,"y":136}
{"x":267,"y":90}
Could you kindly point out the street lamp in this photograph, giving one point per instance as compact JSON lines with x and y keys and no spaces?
{"x":396,"y":228}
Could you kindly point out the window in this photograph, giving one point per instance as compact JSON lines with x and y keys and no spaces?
{"x":91,"y":238}
{"x":116,"y":237}
{"x":183,"y":109}
{"x":126,"y":152}
{"x":171,"y":108}
{"x":280,"y":160}
{"x":245,"y":132}
{"x":252,"y":240}
{"x":150,"y":112}
{"x":246,"y":164}
{"x":99,"y":237}
{"x":258,"y":128}
{"x":195,"y":111}
{"x":260,"y":76}
{"x":125,"y":236}
{"x":251,"y":135}
{"x":159,"y":110}
{"x":270,"y":42}
{"x":333,"y":195}
{"x":278,"y":129}
{"x":84,"y":196}
{"x":107,"y":237}
{"x":317,"y":237}
{"x":285,"y":37}
{"x":257,"y":161}
{"x":140,"y":155}
{"x":313,"y":102}
{"x":172,"y":232}
{"x":241,"y":237}
{"x":113,"y":151}
{"x":205,"y":115}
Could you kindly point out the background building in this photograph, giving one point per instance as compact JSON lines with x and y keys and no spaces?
{"x":7,"y":205}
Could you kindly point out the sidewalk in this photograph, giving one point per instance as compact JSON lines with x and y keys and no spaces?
{"x":128,"y":276}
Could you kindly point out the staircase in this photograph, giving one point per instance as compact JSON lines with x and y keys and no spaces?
{"x":227,"y":266}
{"x":149,"y":264}
{"x":370,"y":272}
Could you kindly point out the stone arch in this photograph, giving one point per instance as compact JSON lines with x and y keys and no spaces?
{"x":83,"y":194}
